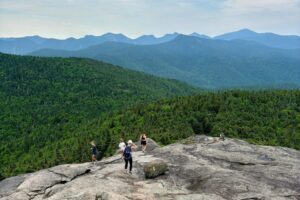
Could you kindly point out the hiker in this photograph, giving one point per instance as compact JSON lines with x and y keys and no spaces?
{"x":143,"y":142}
{"x":94,"y":151}
{"x":122,"y":146}
{"x":128,"y":156}
{"x":222,"y":136}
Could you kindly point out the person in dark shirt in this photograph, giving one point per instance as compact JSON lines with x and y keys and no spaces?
{"x":128,"y":156}
{"x":143,"y":142}
{"x":94,"y":151}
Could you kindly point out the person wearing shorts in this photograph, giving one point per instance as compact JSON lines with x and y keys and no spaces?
{"x":143,"y":139}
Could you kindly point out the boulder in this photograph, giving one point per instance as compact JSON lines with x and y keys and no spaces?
{"x":155,"y":168}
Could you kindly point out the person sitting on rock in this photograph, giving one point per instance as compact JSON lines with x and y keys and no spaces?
{"x":122,"y":146}
{"x":94,"y":151}
{"x":143,"y":142}
{"x":128,"y":156}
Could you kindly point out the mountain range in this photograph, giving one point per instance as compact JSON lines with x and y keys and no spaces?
{"x":201,"y":62}
{"x":269,"y":39}
{"x":25,"y":45}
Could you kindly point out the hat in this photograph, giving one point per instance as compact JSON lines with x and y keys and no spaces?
{"x":130,"y":142}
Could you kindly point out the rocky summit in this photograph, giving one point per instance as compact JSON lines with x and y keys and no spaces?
{"x":200,"y":167}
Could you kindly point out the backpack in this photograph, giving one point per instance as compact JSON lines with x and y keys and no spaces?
{"x":127,"y":152}
{"x":94,"y":150}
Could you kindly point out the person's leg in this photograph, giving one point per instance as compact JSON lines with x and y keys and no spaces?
{"x":126,"y":163}
{"x":130,"y":164}
{"x":144,"y":148}
{"x":94,"y":159}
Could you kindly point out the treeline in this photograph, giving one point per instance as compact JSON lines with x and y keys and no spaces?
{"x":260,"y":117}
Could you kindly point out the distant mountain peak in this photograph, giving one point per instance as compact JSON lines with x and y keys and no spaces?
{"x":34,"y":36}
{"x":151,"y":39}
{"x":269,"y":39}
{"x":146,"y":36}
{"x":240,"y":34}
{"x":246,"y":30}
{"x":186,"y":39}
{"x":195,"y":34}
{"x":71,"y":38}
{"x":89,"y":36}
{"x":186,"y":36}
{"x":170,"y":35}
{"x":175,"y":33}
{"x":113,"y":34}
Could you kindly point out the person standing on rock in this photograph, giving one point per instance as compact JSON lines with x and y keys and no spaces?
{"x":222,"y":136}
{"x":143,"y":142}
{"x":94,"y":151}
{"x":122,"y":146}
{"x":128,"y":156}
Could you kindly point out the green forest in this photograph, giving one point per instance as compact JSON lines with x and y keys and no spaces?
{"x":51,"y":108}
{"x":43,"y":100}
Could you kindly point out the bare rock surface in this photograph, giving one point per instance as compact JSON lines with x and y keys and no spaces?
{"x":200,"y":168}
{"x":9,"y":185}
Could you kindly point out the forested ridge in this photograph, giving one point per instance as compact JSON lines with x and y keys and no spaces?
{"x":38,"y":133}
{"x":270,"y":117}
{"x":43,"y":100}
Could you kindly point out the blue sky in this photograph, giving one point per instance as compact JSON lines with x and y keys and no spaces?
{"x":76,"y":18}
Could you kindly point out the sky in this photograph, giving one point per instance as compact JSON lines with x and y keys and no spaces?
{"x":76,"y":18}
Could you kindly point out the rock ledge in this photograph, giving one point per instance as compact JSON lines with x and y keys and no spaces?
{"x":199,"y":168}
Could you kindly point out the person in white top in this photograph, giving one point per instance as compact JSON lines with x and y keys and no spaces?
{"x":122,"y":146}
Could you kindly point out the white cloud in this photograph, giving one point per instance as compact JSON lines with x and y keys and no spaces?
{"x":262,"y":4}
{"x":282,"y":16}
{"x":64,"y":18}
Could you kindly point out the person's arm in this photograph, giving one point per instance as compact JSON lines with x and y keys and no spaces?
{"x":133,"y":146}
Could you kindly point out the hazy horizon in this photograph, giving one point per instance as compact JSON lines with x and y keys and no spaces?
{"x":156,"y":36}
{"x":77,"y":18}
